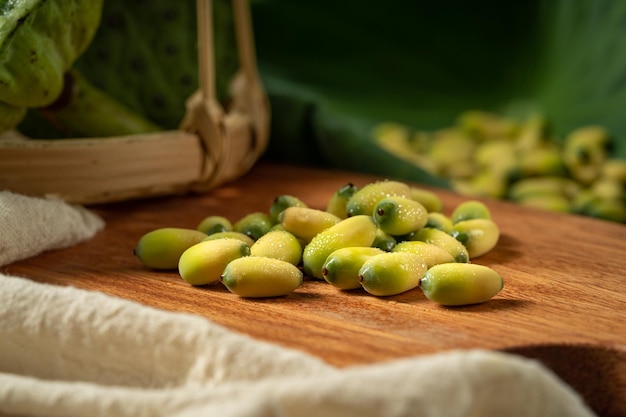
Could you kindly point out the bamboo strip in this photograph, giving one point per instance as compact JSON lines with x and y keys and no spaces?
{"x":101,"y":169}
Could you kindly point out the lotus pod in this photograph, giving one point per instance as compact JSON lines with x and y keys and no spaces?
{"x":10,"y":116}
{"x":35,"y":53}
{"x":154,"y":44}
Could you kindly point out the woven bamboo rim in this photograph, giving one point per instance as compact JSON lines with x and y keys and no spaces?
{"x":212,"y":146}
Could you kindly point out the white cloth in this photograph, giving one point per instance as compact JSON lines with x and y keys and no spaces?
{"x":70,"y":352}
{"x":30,"y":225}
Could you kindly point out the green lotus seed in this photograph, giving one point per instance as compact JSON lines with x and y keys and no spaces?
{"x":614,"y":168}
{"x":608,"y":189}
{"x":384,"y":241}
{"x":204,"y":262}
{"x":443,"y":240}
{"x":540,"y":186}
{"x":338,"y":201}
{"x":392,"y":273}
{"x":584,"y":152}
{"x":342,"y":267}
{"x":358,"y":230}
{"x":231,"y":235}
{"x":431,"y":201}
{"x":278,"y":244}
{"x":254,"y":225}
{"x":606,"y":209}
{"x":439,"y":221}
{"x":478,"y":235}
{"x":546,"y":202}
{"x":364,"y":200}
{"x":471,"y":209}
{"x":306,"y":223}
{"x":543,"y":161}
{"x":214,"y":224}
{"x":431,"y":254}
{"x":257,"y":276}
{"x":162,"y":248}
{"x":457,"y":284}
{"x":283,"y":202}
{"x":399,"y":216}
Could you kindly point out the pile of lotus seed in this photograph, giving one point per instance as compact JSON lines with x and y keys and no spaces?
{"x":484,"y":154}
{"x":387,"y":237}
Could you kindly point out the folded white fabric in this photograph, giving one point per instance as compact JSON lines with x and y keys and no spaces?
{"x":70,"y":352}
{"x":31,"y":225}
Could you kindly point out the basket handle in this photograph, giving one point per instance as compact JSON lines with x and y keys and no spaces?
{"x":245,"y":40}
{"x":221,"y":133}
{"x":206,"y":59}
{"x":246,"y":86}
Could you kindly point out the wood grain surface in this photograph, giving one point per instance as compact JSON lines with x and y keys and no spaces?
{"x":565,"y":279}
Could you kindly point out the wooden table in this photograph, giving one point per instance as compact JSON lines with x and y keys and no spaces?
{"x":565,"y":284}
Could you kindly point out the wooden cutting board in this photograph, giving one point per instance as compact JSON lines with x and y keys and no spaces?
{"x":564,"y":298}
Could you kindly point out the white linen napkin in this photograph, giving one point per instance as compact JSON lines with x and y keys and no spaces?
{"x":71,"y":352}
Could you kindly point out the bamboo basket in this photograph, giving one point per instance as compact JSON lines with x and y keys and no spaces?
{"x":212,"y":146}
